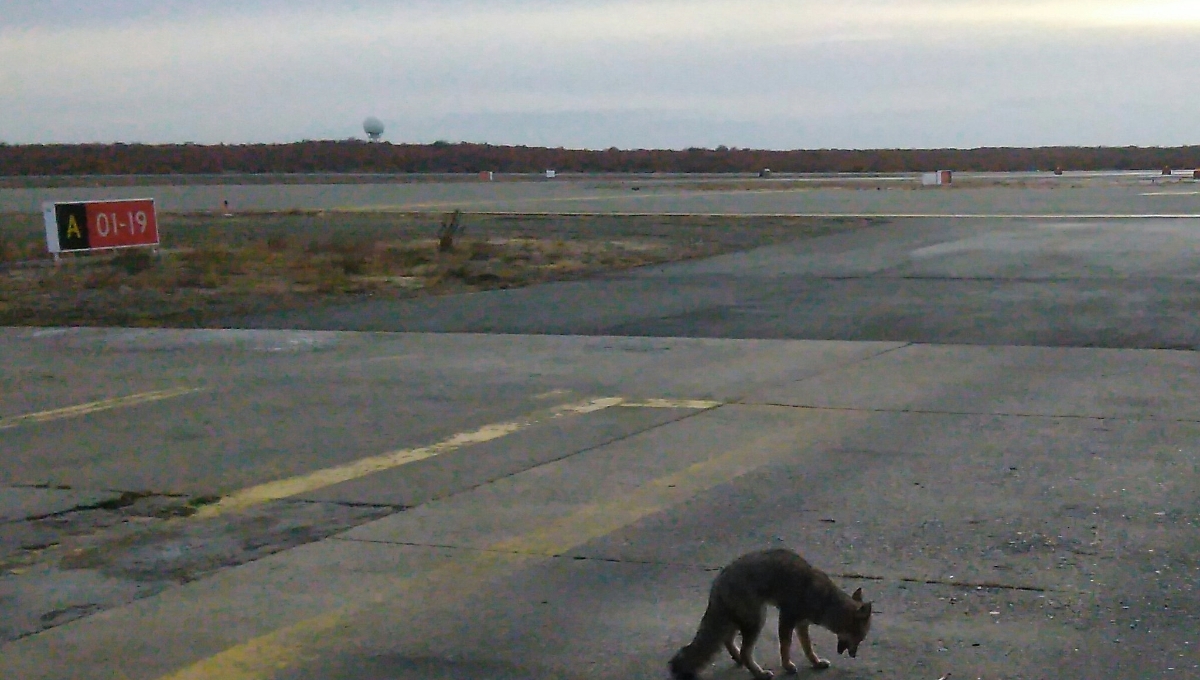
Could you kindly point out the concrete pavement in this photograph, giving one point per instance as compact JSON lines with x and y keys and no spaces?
{"x":1115,"y":283}
{"x":986,"y":424}
{"x":1015,"y":512}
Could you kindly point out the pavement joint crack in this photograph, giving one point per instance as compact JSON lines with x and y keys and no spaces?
{"x":838,"y":367}
{"x":557,"y":556}
{"x":852,"y":576}
{"x":1050,"y":416}
{"x":984,"y":585}
{"x":690,"y":414}
{"x":397,"y":507}
{"x":124,"y":500}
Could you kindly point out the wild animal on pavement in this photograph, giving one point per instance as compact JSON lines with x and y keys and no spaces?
{"x":804,"y":595}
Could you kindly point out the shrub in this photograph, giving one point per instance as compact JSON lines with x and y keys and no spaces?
{"x":133,"y":260}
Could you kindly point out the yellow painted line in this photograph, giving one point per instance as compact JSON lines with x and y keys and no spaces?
{"x":292,"y":486}
{"x":319,"y":479}
{"x":674,"y":403}
{"x":264,"y":657}
{"x":94,"y":406}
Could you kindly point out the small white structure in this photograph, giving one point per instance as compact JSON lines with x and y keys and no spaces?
{"x":936,"y":179}
{"x":550,"y":174}
{"x":487,"y":175}
{"x":374,"y":128}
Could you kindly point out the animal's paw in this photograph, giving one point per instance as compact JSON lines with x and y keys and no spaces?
{"x":678,"y":673}
{"x":764,"y":675}
{"x":790,"y":667}
{"x":821,"y":664}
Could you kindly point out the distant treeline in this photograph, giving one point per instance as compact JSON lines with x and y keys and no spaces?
{"x":359,"y":156}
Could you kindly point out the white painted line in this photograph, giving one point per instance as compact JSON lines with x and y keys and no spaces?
{"x":984,"y":216}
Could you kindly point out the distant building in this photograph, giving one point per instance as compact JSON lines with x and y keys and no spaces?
{"x":937,"y":179}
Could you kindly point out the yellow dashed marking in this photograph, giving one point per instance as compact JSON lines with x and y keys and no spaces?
{"x":674,"y":403}
{"x":94,"y":406}
{"x":319,"y":479}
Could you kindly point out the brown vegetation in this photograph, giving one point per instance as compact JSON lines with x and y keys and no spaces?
{"x":441,"y":157}
{"x":213,"y":268}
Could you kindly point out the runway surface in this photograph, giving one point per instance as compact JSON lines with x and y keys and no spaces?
{"x":985,"y":194}
{"x":989,"y":425}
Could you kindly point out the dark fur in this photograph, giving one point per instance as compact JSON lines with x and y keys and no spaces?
{"x":737,"y":604}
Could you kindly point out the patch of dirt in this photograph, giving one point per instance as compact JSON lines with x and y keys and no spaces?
{"x":73,"y":564}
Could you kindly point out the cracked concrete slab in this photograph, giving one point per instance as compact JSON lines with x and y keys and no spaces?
{"x":23,"y":502}
{"x":82,"y":562}
{"x":952,"y":482}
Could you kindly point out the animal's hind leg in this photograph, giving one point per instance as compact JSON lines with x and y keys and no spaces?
{"x":750,"y":634}
{"x":732,"y":648}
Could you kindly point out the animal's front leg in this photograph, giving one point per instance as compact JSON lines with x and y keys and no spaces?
{"x":786,"y":626}
{"x":806,"y":644}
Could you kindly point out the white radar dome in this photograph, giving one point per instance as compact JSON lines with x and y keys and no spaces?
{"x":373,"y":127}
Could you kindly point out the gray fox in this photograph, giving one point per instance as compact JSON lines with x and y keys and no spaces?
{"x":738,"y":600}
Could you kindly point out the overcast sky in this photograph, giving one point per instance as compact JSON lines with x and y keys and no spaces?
{"x":777,"y":74}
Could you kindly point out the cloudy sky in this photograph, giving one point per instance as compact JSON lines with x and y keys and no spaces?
{"x":777,"y":74}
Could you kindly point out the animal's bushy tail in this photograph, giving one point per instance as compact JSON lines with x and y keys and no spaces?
{"x":715,"y":627}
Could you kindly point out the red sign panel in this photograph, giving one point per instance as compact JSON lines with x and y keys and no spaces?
{"x":91,"y":225}
{"x":113,"y":224}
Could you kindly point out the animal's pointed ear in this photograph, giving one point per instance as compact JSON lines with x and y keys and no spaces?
{"x":865,"y":610}
{"x":857,"y":596}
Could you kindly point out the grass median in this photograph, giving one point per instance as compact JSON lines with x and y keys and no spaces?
{"x":212,"y":267}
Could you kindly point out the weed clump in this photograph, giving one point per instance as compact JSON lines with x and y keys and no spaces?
{"x":133,"y":261}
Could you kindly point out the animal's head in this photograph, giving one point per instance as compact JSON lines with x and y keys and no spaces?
{"x":859,"y":626}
